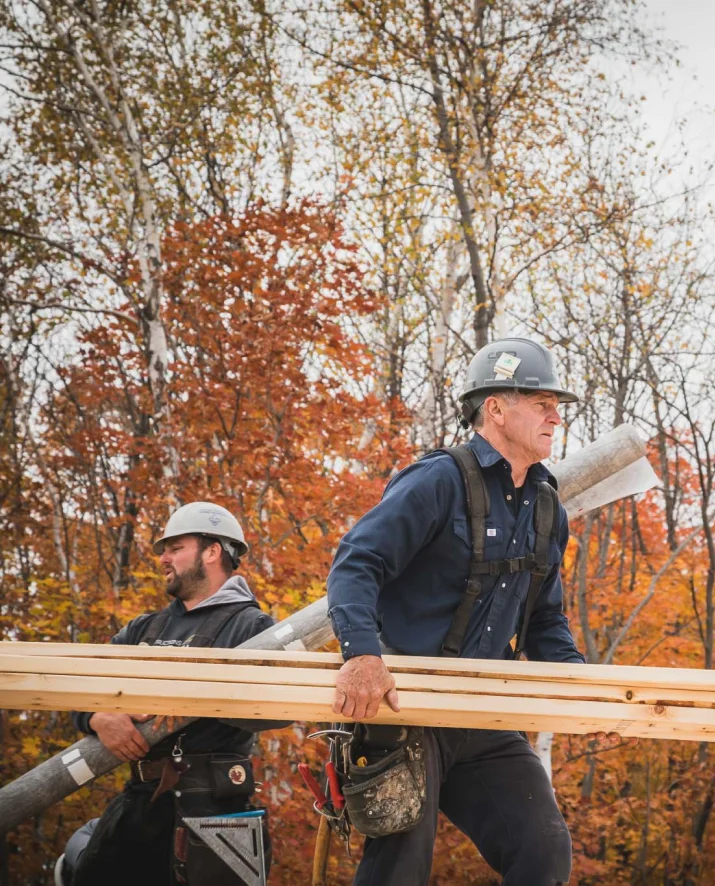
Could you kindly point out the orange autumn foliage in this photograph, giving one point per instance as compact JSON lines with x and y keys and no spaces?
{"x":270,"y":391}
{"x":272,"y":412}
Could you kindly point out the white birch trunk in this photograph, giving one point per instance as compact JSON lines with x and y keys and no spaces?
{"x":429,"y":430}
{"x":132,"y":182}
{"x":544,"y":743}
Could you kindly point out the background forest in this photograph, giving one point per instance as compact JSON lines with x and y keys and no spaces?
{"x":247,"y":249}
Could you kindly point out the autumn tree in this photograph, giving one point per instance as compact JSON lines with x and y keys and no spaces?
{"x":178,"y":321}
{"x":268,"y":387}
{"x":475,"y":172}
{"x":126,"y":119}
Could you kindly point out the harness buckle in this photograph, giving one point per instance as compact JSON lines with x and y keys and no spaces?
{"x":517,"y":564}
{"x":140,"y":764}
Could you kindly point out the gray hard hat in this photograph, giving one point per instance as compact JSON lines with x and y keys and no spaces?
{"x":207,"y":519}
{"x":512,"y":364}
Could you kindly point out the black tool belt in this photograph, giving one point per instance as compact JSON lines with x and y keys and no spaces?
{"x":226,"y":775}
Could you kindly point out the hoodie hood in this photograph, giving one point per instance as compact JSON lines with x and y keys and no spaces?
{"x":235,"y":590}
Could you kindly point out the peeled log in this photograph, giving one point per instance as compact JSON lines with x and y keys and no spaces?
{"x":598,"y":461}
{"x":309,"y":628}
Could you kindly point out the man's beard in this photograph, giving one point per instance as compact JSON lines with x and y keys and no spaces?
{"x":182,"y":586}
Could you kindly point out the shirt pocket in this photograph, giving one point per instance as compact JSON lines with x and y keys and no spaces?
{"x":493,"y":541}
{"x":493,"y":537}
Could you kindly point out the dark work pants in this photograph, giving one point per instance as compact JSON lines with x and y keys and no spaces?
{"x":492,"y":786}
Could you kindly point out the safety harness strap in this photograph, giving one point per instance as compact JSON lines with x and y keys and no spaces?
{"x":545,"y":521}
{"x":527,"y":563}
{"x":153,"y":627}
{"x":478,"y":504}
{"x":215,"y":622}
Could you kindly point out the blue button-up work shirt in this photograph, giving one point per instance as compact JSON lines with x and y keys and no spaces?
{"x":400,"y":572}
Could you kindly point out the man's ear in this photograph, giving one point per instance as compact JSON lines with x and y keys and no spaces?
{"x":213,"y":553}
{"x":494,"y":409}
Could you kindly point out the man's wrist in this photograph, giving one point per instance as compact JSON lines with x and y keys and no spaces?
{"x":95,"y":719}
{"x":355,"y":643}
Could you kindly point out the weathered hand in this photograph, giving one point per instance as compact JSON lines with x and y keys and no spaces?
{"x":362,"y":683}
{"x":119,"y":735}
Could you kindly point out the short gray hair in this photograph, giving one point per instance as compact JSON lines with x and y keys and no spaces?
{"x":510,"y":397}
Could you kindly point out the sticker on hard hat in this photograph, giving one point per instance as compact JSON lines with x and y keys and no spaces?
{"x":214,"y":518}
{"x":506,"y":365}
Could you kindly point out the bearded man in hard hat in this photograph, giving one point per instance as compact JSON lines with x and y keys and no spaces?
{"x":454,"y":561}
{"x":205,"y":769}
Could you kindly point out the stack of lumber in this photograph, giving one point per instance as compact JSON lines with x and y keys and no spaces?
{"x":468,"y":693}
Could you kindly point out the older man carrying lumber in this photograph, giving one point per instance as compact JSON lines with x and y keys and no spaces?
{"x":204,"y":769}
{"x":462,"y":555}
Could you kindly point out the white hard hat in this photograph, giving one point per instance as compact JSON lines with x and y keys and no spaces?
{"x":208,"y":519}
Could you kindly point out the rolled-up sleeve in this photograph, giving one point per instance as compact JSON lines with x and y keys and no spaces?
{"x":379,"y":547}
{"x":549,"y":637}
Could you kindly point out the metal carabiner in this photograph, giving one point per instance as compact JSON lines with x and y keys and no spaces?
{"x":177,"y":752}
{"x":332,"y":733}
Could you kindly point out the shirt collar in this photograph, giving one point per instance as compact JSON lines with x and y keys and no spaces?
{"x":488,"y":456}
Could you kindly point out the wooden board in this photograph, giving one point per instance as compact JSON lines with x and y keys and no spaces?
{"x":293,"y":685}
{"x":313,"y":703}
{"x":299,"y":676}
{"x":626,"y":676}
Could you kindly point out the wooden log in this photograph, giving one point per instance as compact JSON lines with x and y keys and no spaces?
{"x":62,"y":774}
{"x":313,"y":703}
{"x":586,"y":468}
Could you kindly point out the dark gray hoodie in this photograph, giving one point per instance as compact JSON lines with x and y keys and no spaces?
{"x":205,"y":735}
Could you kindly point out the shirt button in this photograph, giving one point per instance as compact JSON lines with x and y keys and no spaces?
{"x":526,"y":502}
{"x":488,"y":628}
{"x":514,"y":541}
{"x":503,"y":584}
{"x":346,"y":643}
{"x":508,"y":498}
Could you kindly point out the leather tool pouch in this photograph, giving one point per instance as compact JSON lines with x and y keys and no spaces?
{"x":231,"y":776}
{"x":388,"y":796}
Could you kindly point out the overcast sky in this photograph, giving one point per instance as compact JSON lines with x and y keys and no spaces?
{"x":687,"y":92}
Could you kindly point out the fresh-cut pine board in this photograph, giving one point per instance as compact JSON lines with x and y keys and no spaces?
{"x":626,"y":676}
{"x":514,"y":695}
{"x":278,"y":674}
